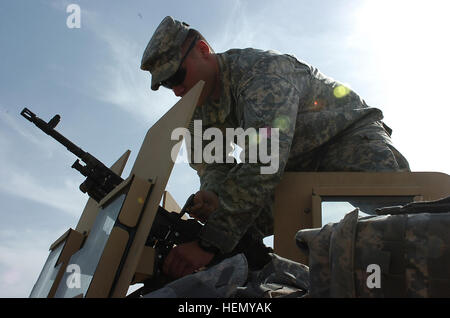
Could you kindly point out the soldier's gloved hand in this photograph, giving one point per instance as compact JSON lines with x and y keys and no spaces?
{"x":205,"y":203}
{"x":185,"y":259}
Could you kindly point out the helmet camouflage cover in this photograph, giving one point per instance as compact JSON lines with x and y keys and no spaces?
{"x":162,"y":55}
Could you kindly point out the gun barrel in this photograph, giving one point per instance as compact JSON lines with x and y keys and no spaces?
{"x":100,"y":180}
{"x":48,"y":128}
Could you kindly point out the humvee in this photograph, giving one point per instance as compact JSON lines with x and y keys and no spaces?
{"x":108,"y":251}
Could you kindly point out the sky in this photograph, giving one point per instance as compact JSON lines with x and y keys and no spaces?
{"x":393,"y":53}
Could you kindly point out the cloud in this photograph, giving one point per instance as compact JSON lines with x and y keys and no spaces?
{"x":24,"y":129}
{"x":23,"y":256}
{"x":17,"y":181}
{"x":118,"y":80}
{"x":240,"y":29}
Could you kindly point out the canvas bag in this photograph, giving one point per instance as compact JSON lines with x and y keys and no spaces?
{"x":410,"y":246}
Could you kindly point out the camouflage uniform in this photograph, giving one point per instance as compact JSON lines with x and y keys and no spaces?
{"x":280,"y":277}
{"x":219,"y":281}
{"x":323,"y":126}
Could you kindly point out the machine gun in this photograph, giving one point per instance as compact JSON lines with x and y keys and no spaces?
{"x":100,"y":180}
{"x":168,"y":228}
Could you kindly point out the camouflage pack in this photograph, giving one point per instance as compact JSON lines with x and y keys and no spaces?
{"x":403,"y":254}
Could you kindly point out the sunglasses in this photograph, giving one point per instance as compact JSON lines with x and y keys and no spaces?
{"x":179,"y":76}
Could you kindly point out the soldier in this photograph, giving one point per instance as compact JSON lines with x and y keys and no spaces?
{"x":322,"y":126}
